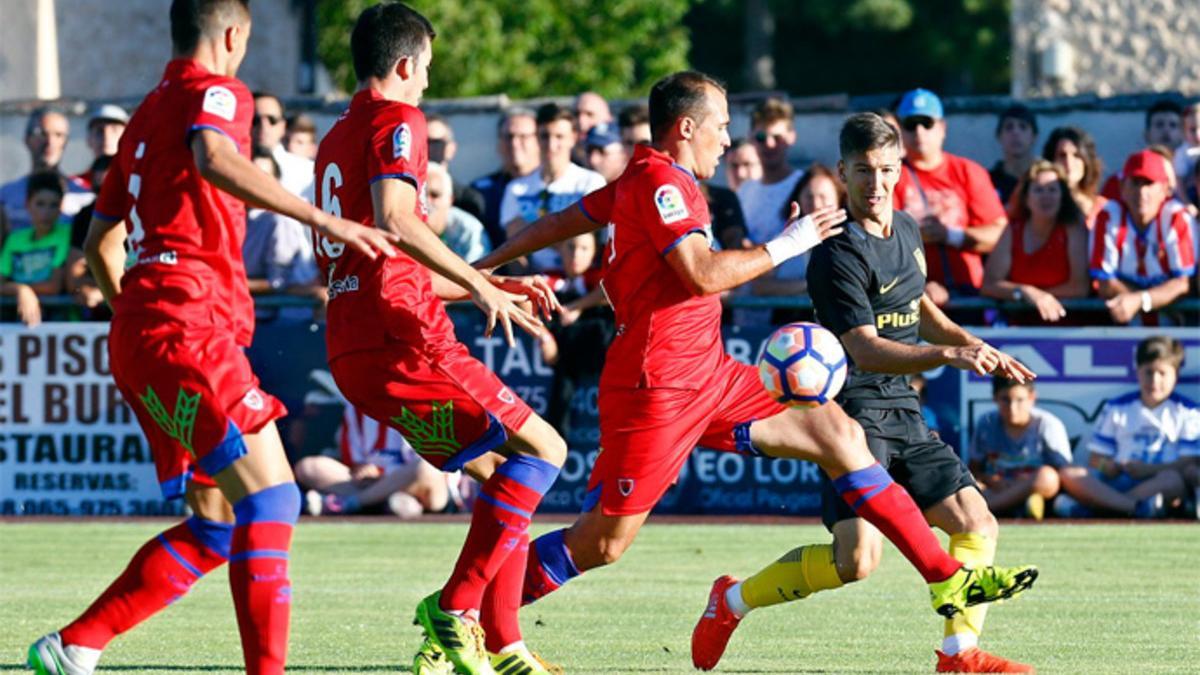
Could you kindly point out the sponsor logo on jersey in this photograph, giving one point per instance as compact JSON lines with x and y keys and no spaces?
{"x":625,"y":486}
{"x":220,"y":101}
{"x":900,"y":319}
{"x":669,"y":202}
{"x":402,"y":142}
{"x":253,"y":400}
{"x":883,"y":289}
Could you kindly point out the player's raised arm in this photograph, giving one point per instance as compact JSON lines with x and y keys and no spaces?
{"x":394,"y":201}
{"x":221,"y":164}
{"x":545,"y":231}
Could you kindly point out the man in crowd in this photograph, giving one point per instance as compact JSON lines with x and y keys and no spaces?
{"x":763,"y":200}
{"x":1142,"y":251}
{"x":951,"y":197}
{"x":442,"y":150}
{"x":634,"y":123}
{"x":517,"y":145}
{"x":270,"y":125}
{"x":104,"y":130}
{"x":1016,"y":131}
{"x":46,"y":134}
{"x":743,"y":165}
{"x":605,"y":153}
{"x":1164,"y":129}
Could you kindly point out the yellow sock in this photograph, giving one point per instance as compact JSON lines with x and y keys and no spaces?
{"x":798,"y":574}
{"x":974,"y":550}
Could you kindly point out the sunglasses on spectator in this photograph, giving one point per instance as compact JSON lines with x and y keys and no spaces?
{"x":762,"y":136}
{"x":911,"y":123}
{"x":269,"y":119}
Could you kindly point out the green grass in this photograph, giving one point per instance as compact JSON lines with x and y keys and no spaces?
{"x":1111,"y":599}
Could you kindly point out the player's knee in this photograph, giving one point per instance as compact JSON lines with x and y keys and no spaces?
{"x":981,"y":521}
{"x":1046,"y":481}
{"x":307,"y":470}
{"x":1172,"y":483}
{"x":859,"y":563}
{"x":599,"y":552}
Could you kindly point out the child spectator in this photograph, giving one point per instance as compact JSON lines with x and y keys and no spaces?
{"x":375,"y":466}
{"x":33,"y":259}
{"x":300,"y":139}
{"x":1142,"y":443}
{"x":1042,"y":255}
{"x":1017,"y":451}
{"x":1074,"y":151}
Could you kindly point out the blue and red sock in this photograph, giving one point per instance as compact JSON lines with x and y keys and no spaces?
{"x":549,"y":566}
{"x":499,"y":523}
{"x":258,"y":574}
{"x":160,"y":573}
{"x":873,"y":495}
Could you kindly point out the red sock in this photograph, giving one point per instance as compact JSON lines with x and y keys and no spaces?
{"x":499,"y":525}
{"x":874,"y":496}
{"x":502,"y":600}
{"x":258,"y":575}
{"x":160,"y":573}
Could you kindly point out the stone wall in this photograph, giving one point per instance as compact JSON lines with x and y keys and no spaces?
{"x":1105,"y":47}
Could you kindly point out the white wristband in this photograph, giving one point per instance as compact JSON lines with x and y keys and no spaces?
{"x":955,"y":237}
{"x":1147,"y":302}
{"x":797,"y":238}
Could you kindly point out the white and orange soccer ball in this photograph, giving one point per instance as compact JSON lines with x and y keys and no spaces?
{"x":802,"y":365}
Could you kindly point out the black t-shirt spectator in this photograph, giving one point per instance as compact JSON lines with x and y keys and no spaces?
{"x":1005,"y":182}
{"x":857,"y":279}
{"x":491,"y":189}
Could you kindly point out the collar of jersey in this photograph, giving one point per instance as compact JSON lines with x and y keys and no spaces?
{"x":645,"y":153}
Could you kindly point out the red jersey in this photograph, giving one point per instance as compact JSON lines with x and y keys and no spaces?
{"x":1047,"y":267}
{"x":961,"y":195}
{"x":184,"y":235}
{"x":666,"y":335}
{"x":374,"y":302}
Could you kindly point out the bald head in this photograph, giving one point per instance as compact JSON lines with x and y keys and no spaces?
{"x":591,"y":109}
{"x":46,"y":134}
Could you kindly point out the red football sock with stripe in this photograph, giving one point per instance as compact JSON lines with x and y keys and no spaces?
{"x":498,"y":614}
{"x":160,"y":573}
{"x":874,"y":496}
{"x":258,"y":575}
{"x":499,"y":525}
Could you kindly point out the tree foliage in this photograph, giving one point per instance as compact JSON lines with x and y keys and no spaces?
{"x":528,"y":48}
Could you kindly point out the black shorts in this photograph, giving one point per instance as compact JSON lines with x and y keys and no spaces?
{"x":923,"y":463}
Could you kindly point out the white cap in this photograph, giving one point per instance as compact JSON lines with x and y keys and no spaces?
{"x":109,"y":112}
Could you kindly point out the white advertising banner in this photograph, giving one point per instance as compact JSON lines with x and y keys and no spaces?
{"x":68,"y":443}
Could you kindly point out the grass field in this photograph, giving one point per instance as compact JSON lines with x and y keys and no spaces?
{"x":1111,"y":599}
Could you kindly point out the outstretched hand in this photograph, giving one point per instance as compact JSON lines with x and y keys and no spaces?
{"x":369,"y":241}
{"x":535,"y":288}
{"x":500,"y":307}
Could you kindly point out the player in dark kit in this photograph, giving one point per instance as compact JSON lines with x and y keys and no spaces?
{"x":868,"y":287}
{"x":182,"y":316}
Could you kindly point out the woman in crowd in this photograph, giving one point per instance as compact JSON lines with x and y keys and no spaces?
{"x":1074,"y":151}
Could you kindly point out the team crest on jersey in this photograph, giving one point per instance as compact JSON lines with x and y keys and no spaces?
{"x":253,"y":400}
{"x":506,"y":396}
{"x":919,"y":254}
{"x":669,"y":202}
{"x":402,"y":142}
{"x":625,"y":486}
{"x":220,"y":101}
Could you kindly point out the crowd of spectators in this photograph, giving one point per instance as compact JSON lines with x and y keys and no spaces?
{"x":1034,"y":232}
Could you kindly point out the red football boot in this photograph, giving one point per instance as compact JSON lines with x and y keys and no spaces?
{"x":716,"y":625}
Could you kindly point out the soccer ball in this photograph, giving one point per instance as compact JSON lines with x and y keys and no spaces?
{"x":802,"y":365}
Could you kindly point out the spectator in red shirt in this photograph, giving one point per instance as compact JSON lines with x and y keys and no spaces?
{"x":1016,"y":131}
{"x":1074,"y":151}
{"x":951,"y":197}
{"x":1042,"y":255}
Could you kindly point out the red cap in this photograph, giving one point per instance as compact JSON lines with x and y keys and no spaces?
{"x":1147,"y":164}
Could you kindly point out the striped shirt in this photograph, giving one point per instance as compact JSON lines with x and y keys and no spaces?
{"x":1147,"y":258}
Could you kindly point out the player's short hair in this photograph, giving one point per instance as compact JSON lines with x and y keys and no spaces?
{"x":191,"y":19}
{"x":513,"y":113}
{"x":1160,"y":348}
{"x":632,"y":116}
{"x":44,"y":181}
{"x":681,"y":94}
{"x":1093,"y":167}
{"x":863,"y":132}
{"x":771,"y":110}
{"x":1165,"y":105}
{"x":553,"y":112}
{"x":1003,"y":384}
{"x":383,"y":35}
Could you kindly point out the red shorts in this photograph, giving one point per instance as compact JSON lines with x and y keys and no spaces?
{"x":647,"y":434}
{"x":450,"y":407}
{"x":194,"y":395}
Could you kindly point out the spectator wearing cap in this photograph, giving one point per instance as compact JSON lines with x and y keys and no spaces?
{"x":1016,"y":131}
{"x":773,"y":131}
{"x":1042,"y":255}
{"x":951,"y":197}
{"x":634,"y":123}
{"x":300,"y":139}
{"x":46,"y":133}
{"x":1073,"y":150}
{"x":590,"y":109}
{"x":458,"y":229}
{"x":442,"y":150}
{"x":517,"y":146}
{"x":1141,"y":247}
{"x":104,"y":129}
{"x":557,"y":184}
{"x":605,"y":154}
{"x":1163,"y":128}
{"x":743,"y":163}
{"x":267,"y":132}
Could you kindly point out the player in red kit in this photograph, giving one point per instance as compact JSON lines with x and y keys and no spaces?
{"x":668,"y":384}
{"x":182,"y":315}
{"x":394,"y":355}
